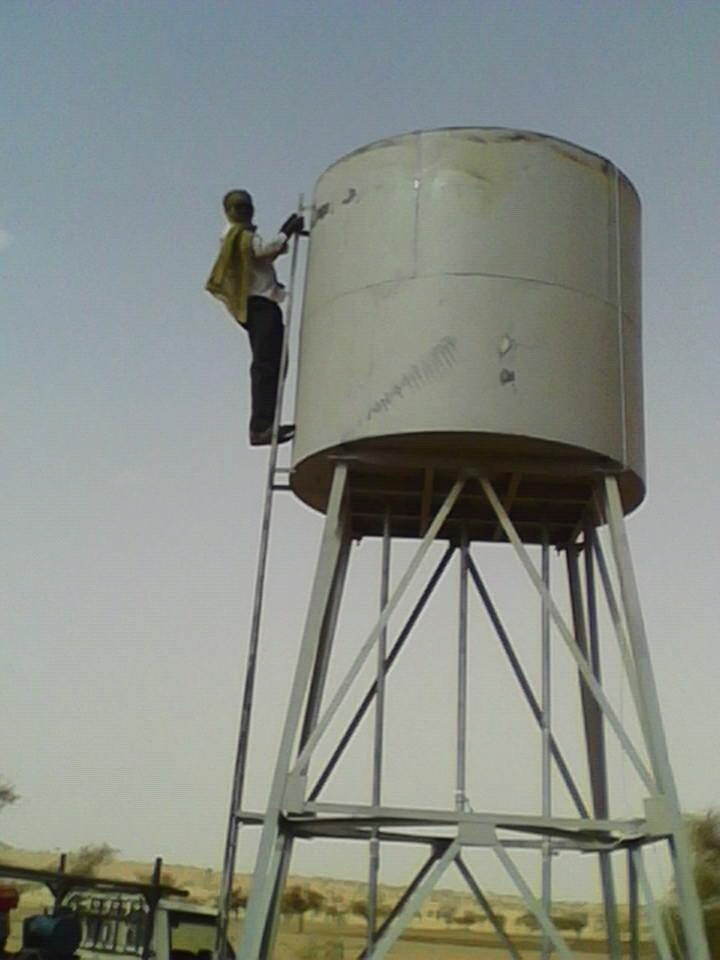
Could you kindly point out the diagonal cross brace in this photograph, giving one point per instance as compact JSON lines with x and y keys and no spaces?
{"x":526,"y":688}
{"x":533,"y":904}
{"x":389,"y":660}
{"x":487,"y":907}
{"x":568,"y":637}
{"x":412,"y":905}
{"x":305,"y":754}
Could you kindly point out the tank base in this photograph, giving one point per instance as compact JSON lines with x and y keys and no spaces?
{"x":547,"y":488}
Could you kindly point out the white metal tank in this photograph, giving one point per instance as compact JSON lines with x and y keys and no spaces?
{"x":472,"y":300}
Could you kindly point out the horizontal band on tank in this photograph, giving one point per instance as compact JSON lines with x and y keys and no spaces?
{"x":477,"y":274}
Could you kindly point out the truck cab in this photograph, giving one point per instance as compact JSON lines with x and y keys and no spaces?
{"x":117,"y":924}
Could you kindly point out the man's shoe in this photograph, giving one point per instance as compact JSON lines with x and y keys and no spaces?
{"x":263,"y":438}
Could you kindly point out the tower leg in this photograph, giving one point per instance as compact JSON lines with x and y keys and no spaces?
{"x":462,"y":681}
{"x":312,"y":709}
{"x":587,"y":641}
{"x":608,"y":884}
{"x":546,"y":734}
{"x":378,"y":737}
{"x":688,"y":901}
{"x":271,"y":861}
{"x":633,"y":907}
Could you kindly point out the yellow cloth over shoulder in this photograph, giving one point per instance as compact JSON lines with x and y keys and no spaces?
{"x":230,"y":275}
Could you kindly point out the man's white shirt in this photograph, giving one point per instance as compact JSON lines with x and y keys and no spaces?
{"x":263,"y":281}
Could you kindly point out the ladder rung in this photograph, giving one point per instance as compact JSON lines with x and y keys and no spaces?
{"x":282,"y":469}
{"x":281,"y":486}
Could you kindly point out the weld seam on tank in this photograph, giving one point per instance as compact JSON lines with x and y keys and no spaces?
{"x":620,"y":325}
{"x":417,"y":182}
{"x":482,"y":276}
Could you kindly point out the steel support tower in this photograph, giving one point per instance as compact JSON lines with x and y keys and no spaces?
{"x":296,"y":810}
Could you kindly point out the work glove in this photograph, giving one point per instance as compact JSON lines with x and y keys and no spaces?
{"x":294,"y":224}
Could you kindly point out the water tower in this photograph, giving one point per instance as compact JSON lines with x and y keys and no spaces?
{"x":470,"y":372}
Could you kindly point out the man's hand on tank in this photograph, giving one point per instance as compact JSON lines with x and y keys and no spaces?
{"x":294,"y":224}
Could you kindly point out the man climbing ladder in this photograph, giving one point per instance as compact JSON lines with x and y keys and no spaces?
{"x":243,"y":278}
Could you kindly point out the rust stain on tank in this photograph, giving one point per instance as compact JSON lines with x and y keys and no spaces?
{"x":320,"y":212}
{"x":378,"y":145}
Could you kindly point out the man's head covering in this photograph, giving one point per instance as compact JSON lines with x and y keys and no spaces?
{"x":238,"y":206}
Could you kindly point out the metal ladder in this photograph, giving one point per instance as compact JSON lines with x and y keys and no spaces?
{"x":275,"y":474}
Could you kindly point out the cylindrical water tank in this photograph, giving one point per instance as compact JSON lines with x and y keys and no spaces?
{"x":472,"y":301}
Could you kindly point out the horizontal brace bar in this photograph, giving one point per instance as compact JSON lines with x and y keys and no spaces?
{"x":571,"y":826}
{"x":350,"y":828}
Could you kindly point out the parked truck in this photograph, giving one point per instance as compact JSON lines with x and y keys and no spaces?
{"x":95,"y":919}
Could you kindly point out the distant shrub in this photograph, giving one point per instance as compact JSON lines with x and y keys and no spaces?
{"x":87,"y":860}
{"x":7,"y":793}
{"x":468,"y":918}
{"x":359,"y":908}
{"x":238,"y":900}
{"x":574,"y":920}
{"x":446,"y":913}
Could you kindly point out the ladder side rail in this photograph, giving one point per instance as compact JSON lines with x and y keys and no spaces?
{"x":238,"y":781}
{"x":285,"y":350}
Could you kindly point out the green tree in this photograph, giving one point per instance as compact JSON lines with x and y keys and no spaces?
{"x":298,"y":900}
{"x":468,"y":918}
{"x":446,"y":913}
{"x":87,"y":860}
{"x":7,"y":793}
{"x":315,"y":900}
{"x":704,"y":833}
{"x":359,"y":908}
{"x":529,"y":920}
{"x":335,"y":913}
{"x":574,"y":920}
{"x":238,"y":900}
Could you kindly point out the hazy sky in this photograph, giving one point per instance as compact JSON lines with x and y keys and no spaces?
{"x":130,"y":498}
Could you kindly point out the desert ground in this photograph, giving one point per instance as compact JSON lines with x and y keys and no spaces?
{"x":449,"y":927}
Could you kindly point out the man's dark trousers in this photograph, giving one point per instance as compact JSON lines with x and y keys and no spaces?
{"x":264,"y":326}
